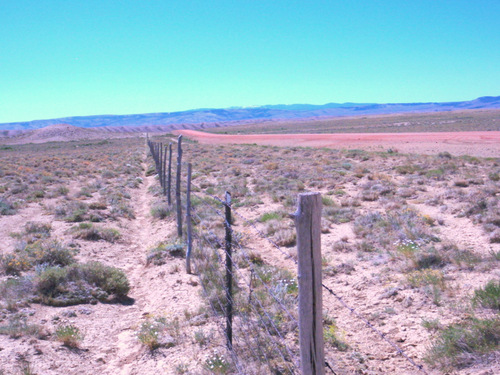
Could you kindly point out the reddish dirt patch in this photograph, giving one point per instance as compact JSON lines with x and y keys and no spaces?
{"x":486,"y":144}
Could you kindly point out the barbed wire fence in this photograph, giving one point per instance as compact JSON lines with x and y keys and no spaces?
{"x":262,"y":331}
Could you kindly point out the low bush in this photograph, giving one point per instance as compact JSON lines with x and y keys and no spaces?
{"x":217,"y":364}
{"x":6,"y":208}
{"x":462,"y":344}
{"x":162,"y":251}
{"x":80,"y":283}
{"x":18,"y":326}
{"x":34,"y":231}
{"x":161,"y":210}
{"x":489,"y":296}
{"x":41,"y":252}
{"x":69,"y":335}
{"x":89,"y":232}
{"x":333,"y":337}
{"x":72,"y":212}
{"x":267,"y":216}
{"x":157,"y":332}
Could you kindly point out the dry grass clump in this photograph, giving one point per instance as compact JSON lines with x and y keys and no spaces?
{"x":91,"y":232}
{"x":384,"y":230}
{"x":488,"y":296}
{"x":465,"y":343}
{"x":161,"y":209}
{"x":158,"y":331}
{"x":44,"y":252}
{"x":17,"y":326}
{"x":72,"y":212}
{"x":6,"y":207}
{"x":15,"y":292}
{"x":80,"y":283}
{"x":69,"y":335}
{"x":165,"y":250}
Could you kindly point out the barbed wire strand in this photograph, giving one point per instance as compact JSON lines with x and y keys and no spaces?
{"x":276,"y":329}
{"x":214,"y":310}
{"x":247,"y":258}
{"x":253,"y":327}
{"x":275,"y":245}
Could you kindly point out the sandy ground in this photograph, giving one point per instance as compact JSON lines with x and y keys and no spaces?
{"x":110,"y":345}
{"x":485,"y":144}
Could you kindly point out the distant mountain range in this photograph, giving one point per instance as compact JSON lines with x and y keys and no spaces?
{"x":211,"y":117}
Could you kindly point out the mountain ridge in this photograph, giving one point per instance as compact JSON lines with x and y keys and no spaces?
{"x":212,"y":116}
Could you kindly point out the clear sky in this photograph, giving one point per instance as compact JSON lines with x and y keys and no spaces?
{"x":89,"y":57}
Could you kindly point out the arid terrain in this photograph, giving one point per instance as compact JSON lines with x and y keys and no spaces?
{"x":485,"y":144}
{"x":93,"y":276}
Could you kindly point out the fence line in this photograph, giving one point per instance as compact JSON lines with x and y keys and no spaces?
{"x":265,"y":321}
{"x":155,"y":151}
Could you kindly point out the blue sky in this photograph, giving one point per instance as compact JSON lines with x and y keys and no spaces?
{"x":75,"y":58}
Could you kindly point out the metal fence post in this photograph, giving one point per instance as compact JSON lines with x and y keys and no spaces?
{"x":188,"y":221}
{"x":229,"y":274}
{"x":178,"y":187}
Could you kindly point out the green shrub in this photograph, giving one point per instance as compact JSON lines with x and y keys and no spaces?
{"x":489,"y":296}
{"x":432,"y":325}
{"x":217,"y":364}
{"x":72,"y":212}
{"x":6,"y":208}
{"x":49,"y":252}
{"x":80,"y":283}
{"x":161,"y":210}
{"x":151,"y":171}
{"x":40,"y":252}
{"x":14,"y":264}
{"x":267,"y":216}
{"x":110,"y":279}
{"x":463,"y":344}
{"x":338,"y":215}
{"x":49,"y":281}
{"x":89,"y":232}
{"x":69,"y":335}
{"x":158,"y":331}
{"x":15,"y":292}
{"x":494,"y":176}
{"x":18,"y":326}
{"x":43,"y":229}
{"x":432,"y":281}
{"x":334,"y":338}
{"x":159,"y":254}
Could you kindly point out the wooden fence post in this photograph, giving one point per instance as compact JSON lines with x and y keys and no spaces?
{"x":188,"y":221}
{"x":160,"y":163}
{"x":229,"y":274}
{"x":169,"y":176}
{"x":178,"y":187}
{"x":308,"y":224}
{"x":156,"y":156}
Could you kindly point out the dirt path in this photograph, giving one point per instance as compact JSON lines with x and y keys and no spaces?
{"x":139,"y":233}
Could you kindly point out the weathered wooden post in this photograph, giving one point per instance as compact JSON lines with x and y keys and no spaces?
{"x":160,"y":163}
{"x":188,"y":221}
{"x":308,"y":224}
{"x":169,"y":182}
{"x":178,"y":187}
{"x":229,"y":274}
{"x":156,"y":156}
